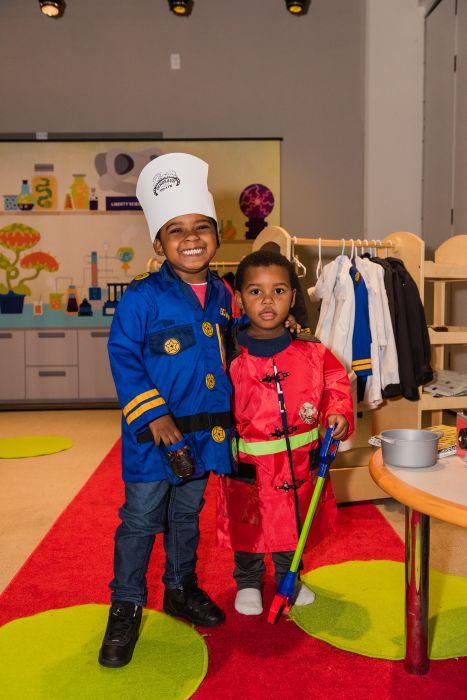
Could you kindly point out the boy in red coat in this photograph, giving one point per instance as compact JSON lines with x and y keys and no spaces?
{"x":283,"y":390}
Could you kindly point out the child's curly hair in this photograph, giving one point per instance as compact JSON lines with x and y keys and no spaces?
{"x":264,"y":258}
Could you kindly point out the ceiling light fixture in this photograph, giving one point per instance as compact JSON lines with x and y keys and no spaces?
{"x":182,"y":8}
{"x":52,"y":8}
{"x":297,"y":7}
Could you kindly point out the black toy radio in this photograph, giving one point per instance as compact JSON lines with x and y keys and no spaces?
{"x":461,"y":427}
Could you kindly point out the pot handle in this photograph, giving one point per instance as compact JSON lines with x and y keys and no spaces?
{"x":386,"y":439}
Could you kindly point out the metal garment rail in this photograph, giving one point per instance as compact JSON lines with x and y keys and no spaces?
{"x":343,"y":242}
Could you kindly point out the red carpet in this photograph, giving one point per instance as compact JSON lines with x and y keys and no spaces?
{"x":248,"y":658}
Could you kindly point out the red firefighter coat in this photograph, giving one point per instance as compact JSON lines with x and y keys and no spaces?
{"x":256,"y":507}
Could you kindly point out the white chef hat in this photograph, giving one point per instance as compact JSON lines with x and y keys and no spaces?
{"x":172,"y":185}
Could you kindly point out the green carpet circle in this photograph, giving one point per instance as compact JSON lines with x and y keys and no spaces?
{"x":359,"y":607}
{"x":53,"y":656}
{"x":32,"y":445}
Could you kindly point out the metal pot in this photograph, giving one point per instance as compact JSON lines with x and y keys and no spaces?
{"x":410,"y":448}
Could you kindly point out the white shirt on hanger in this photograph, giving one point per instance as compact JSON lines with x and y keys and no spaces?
{"x":334,"y":288}
{"x":384,"y":363}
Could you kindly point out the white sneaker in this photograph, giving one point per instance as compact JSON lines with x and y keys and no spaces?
{"x":248,"y":602}
{"x":305,"y":596}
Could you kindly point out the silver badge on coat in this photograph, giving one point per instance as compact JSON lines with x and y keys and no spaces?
{"x":308,"y":413}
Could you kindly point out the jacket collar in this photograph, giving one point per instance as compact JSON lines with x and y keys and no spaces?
{"x":170,"y":276}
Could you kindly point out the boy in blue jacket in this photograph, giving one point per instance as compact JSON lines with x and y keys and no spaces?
{"x":167,"y":358}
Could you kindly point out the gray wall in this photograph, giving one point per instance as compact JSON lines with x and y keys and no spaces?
{"x":440,"y":87}
{"x":445,"y":149}
{"x":249,"y":69}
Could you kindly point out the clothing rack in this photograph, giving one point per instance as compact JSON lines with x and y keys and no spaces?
{"x":224,"y":263}
{"x":401,"y":244}
{"x":350,"y":474}
{"x":344,"y":242}
{"x":278,"y":235}
{"x":286,"y":243}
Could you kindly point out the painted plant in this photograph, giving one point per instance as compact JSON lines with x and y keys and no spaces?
{"x":18,"y":238}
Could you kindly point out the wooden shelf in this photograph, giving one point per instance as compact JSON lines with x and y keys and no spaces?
{"x":440,"y":403}
{"x":455,"y":335}
{"x":444,"y":271}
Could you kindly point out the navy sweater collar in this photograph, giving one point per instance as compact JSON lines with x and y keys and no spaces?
{"x":264,"y":347}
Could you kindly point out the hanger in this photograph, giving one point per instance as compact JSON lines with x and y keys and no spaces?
{"x":301,"y":269}
{"x":366,"y":245}
{"x":352,"y":250}
{"x":319,"y":266}
{"x":343,"y":247}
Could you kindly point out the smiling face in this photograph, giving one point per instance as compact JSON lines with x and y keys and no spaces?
{"x":266,"y":297}
{"x":189,"y":243}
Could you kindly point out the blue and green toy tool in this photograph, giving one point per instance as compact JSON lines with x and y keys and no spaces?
{"x":282,"y":601}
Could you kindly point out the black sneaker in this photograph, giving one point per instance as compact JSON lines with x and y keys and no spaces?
{"x":121,"y":634}
{"x":192,"y":603}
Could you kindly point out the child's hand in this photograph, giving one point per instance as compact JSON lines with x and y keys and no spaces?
{"x":164,"y":430}
{"x":292,"y":324}
{"x":342,"y":427}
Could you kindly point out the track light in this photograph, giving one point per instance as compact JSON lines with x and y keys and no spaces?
{"x":297,"y":7}
{"x":182,"y":8}
{"x":52,"y":8}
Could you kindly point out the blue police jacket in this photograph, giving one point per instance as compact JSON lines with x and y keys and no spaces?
{"x":167,"y":356}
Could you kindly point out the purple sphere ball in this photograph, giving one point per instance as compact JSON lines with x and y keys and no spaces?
{"x":256,"y":201}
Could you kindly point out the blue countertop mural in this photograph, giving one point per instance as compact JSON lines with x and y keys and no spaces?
{"x":53,"y":319}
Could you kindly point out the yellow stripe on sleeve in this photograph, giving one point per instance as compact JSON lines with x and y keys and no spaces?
{"x":145,"y":407}
{"x":361,"y":365}
{"x":139,"y":399}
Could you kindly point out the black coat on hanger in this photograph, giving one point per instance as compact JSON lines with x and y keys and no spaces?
{"x":410,"y":329}
{"x":299,"y":309}
{"x":388,"y":285}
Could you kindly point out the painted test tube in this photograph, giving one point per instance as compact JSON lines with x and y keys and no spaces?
{"x":94,"y":269}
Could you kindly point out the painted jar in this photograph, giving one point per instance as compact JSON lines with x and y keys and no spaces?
{"x":80,"y":192}
{"x":44,"y":186}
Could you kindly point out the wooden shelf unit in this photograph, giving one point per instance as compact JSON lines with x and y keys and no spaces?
{"x":449,"y":267}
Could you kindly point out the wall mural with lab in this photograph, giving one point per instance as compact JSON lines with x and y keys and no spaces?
{"x":72,"y":233}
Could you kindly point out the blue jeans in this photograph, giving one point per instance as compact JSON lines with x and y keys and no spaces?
{"x":151,"y":508}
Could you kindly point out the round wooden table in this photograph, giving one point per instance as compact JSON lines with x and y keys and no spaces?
{"x":441,"y":492}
